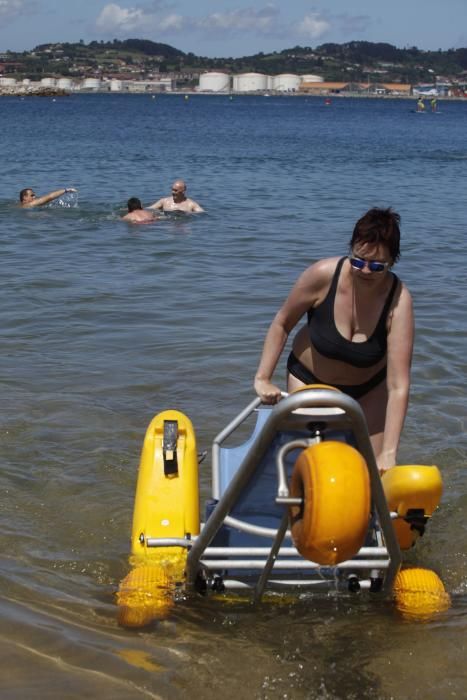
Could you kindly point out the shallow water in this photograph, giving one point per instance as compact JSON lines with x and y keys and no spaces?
{"x":105,"y":324}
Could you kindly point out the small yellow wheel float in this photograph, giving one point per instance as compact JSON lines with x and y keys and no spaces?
{"x":144,"y":595}
{"x":420,"y":594}
{"x":331,"y":524}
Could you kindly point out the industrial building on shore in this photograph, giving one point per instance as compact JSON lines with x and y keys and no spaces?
{"x":218,"y":82}
{"x":221,"y":83}
{"x":87,"y":85}
{"x":309,"y":84}
{"x":290,"y":83}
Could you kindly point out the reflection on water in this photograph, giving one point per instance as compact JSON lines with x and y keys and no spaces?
{"x":104,"y":325}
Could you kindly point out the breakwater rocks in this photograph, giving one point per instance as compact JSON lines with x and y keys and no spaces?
{"x":31,"y":91}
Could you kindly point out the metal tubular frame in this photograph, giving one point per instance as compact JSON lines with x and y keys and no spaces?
{"x":272,"y":558}
{"x":307,"y":401}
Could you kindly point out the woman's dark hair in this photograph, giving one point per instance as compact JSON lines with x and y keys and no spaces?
{"x":379,"y":227}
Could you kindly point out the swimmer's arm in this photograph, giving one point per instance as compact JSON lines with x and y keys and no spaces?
{"x":399,"y":359}
{"x":157,"y":205}
{"x":195,"y":207}
{"x":46,"y":198}
{"x":301,"y":298}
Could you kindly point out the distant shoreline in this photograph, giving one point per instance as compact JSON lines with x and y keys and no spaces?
{"x":28,"y":91}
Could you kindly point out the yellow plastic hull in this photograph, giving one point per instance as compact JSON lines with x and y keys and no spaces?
{"x":410,"y":489}
{"x":166,"y":507}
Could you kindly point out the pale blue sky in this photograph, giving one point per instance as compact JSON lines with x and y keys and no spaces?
{"x":235,"y":27}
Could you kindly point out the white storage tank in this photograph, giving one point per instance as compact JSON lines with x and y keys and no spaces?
{"x":91,"y":84}
{"x":214,"y":82}
{"x":65,"y":83}
{"x":285,"y":82}
{"x":250,"y":82}
{"x":8,"y":82}
{"x":48,"y":82}
{"x":310,"y":78}
{"x":116,"y":85}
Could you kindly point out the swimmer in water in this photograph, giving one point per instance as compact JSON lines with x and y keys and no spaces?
{"x":28,"y":198}
{"x":136,"y":213}
{"x":178,"y":201}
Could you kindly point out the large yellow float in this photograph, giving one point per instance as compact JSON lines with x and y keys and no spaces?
{"x":299,"y":506}
{"x":323,"y":476}
{"x":166,"y":507}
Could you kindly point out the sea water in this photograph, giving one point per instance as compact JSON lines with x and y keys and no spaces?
{"x":105,"y":324}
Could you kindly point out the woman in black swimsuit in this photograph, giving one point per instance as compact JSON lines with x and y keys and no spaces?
{"x":359,"y":334}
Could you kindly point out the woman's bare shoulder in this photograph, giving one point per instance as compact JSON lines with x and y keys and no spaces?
{"x":402,"y":293}
{"x":403,"y":298}
{"x":321,"y":272}
{"x":311,"y":286}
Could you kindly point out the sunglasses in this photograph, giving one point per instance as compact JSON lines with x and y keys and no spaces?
{"x":373,"y":265}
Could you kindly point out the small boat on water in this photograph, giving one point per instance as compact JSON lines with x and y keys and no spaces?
{"x":297,"y":507}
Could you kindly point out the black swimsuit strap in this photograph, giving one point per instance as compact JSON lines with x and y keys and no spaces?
{"x":335,"y":278}
{"x":326,"y":307}
{"x":387,"y":303}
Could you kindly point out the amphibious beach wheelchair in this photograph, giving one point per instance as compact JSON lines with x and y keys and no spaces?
{"x":298,"y":507}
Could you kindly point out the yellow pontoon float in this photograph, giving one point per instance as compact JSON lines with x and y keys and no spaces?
{"x":300,"y":506}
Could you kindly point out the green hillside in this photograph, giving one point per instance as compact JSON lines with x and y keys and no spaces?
{"x":141,"y":58}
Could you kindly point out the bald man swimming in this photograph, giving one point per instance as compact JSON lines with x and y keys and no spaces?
{"x":177,"y":201}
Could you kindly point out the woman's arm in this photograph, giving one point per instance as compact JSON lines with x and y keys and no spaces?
{"x":399,"y":355}
{"x":274,"y":343}
{"x":301,"y":298}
